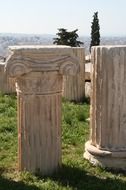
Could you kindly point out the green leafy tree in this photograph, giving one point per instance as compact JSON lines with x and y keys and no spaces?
{"x":67,"y":38}
{"x":95,"y":31}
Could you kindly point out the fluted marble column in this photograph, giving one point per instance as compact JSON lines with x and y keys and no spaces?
{"x":107,"y":144}
{"x":38,"y":72}
{"x":74,"y":86}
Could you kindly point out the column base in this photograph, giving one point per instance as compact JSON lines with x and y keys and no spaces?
{"x":108,"y":159}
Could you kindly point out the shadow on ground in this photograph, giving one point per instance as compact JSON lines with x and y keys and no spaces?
{"x":79,"y":179}
{"x":9,"y":184}
{"x":73,"y":177}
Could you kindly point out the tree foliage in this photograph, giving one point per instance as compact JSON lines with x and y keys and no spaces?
{"x":67,"y":38}
{"x":95,"y":31}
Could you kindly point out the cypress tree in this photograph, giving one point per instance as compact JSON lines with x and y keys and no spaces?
{"x":95,"y":31}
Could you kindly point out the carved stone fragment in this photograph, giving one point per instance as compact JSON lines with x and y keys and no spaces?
{"x":38,"y":72}
{"x":107,"y":144}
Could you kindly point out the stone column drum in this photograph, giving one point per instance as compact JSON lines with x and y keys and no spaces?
{"x":74,"y":86}
{"x":107,"y":145}
{"x":38,"y":72}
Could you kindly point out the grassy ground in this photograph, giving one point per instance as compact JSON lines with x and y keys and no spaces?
{"x":76,"y":173}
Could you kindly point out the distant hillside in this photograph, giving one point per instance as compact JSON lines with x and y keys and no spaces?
{"x":106,"y":40}
{"x":8,"y":39}
{"x":22,"y":39}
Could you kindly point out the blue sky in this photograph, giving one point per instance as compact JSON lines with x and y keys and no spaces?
{"x":45,"y":16}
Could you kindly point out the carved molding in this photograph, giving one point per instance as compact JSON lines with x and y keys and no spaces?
{"x":70,"y":67}
{"x":20,"y":63}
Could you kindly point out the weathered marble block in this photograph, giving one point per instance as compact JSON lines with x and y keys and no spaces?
{"x":6,"y":86}
{"x":38,"y":72}
{"x":107,"y":144}
{"x":74,"y":86}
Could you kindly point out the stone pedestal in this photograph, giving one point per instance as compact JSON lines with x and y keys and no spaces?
{"x":107,"y":144}
{"x":74,"y":86}
{"x":38,"y":72}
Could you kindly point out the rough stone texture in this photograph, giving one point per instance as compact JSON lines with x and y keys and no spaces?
{"x":88,"y":70}
{"x":88,"y":58}
{"x":38,"y":72}
{"x":107,"y":144}
{"x":87,"y":89}
{"x":7,"y":86}
{"x":73,"y":88}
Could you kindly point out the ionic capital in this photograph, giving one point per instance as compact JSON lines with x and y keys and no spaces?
{"x":26,"y":59}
